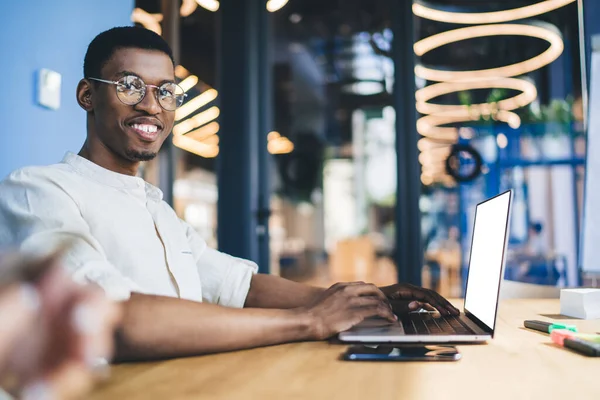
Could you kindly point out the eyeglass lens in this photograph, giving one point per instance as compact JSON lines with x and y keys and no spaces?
{"x":132,"y":89}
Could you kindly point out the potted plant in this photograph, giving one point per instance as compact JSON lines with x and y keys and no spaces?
{"x":546,"y":130}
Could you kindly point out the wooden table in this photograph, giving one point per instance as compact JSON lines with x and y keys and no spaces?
{"x":516,"y":364}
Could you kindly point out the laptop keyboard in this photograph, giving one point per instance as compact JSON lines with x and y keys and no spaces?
{"x":427,"y":324}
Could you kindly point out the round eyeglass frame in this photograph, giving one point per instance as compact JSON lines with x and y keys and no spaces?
{"x":144,"y":90}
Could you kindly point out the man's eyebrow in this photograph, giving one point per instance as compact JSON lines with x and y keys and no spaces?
{"x":166,"y":81}
{"x":125,"y":73}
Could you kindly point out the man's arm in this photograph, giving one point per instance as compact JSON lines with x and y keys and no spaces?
{"x":161,"y":327}
{"x":232,"y":282}
{"x":269,"y":291}
{"x":37,"y":215}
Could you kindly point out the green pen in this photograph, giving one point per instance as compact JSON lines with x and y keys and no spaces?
{"x":548,"y":327}
{"x":571,"y":328}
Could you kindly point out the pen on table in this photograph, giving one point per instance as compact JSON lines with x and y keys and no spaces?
{"x":583,"y":346}
{"x":547,"y":327}
{"x":559,"y":335}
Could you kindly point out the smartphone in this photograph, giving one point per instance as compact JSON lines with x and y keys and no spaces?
{"x":401,"y":353}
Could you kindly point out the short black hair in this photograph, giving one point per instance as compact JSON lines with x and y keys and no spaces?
{"x":106,"y":43}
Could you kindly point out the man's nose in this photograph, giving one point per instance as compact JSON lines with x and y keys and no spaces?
{"x":149,"y":103}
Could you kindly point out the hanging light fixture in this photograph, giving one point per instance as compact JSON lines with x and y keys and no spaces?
{"x":527,"y":88}
{"x":187,"y":7}
{"x":437,"y":138}
{"x":196,"y":147}
{"x":210,"y":5}
{"x":423,"y":11}
{"x":147,"y":20}
{"x":275,"y":5}
{"x":205,"y":131}
{"x":545,"y":32}
{"x":188,"y":82}
{"x":195,"y":103}
{"x":277,"y":144}
{"x":196,"y":121}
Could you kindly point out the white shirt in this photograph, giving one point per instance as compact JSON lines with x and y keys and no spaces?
{"x":126,"y":238}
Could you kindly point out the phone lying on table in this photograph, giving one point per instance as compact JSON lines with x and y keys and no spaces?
{"x":401,"y":353}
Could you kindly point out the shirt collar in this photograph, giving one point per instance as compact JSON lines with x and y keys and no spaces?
{"x":107,"y":177}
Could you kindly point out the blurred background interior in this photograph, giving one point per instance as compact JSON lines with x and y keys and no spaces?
{"x":347,"y":140}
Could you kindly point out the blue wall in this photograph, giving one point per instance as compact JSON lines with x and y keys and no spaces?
{"x":39,"y":34}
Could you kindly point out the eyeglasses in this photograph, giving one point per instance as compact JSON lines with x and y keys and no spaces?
{"x":131,"y":90}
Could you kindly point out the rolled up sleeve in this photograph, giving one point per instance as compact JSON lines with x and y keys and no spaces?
{"x":225,"y":279}
{"x":37,"y":215}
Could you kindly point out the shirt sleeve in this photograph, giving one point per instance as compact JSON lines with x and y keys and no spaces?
{"x":225,"y":279}
{"x":37,"y":214}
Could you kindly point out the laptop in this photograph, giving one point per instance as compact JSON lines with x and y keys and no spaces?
{"x":478,"y":320}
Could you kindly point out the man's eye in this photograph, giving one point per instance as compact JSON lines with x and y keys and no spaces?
{"x":132,"y":83}
{"x":164,"y":92}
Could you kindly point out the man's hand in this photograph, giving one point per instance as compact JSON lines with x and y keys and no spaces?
{"x":344,"y":305}
{"x":405,"y":298}
{"x":51,"y":333}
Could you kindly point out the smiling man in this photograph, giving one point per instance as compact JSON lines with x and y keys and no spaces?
{"x":179,"y":296}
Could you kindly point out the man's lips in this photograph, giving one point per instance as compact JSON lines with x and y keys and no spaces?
{"x":145,"y":131}
{"x":146,"y":128}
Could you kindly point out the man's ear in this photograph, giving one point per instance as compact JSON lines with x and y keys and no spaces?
{"x":84,"y":95}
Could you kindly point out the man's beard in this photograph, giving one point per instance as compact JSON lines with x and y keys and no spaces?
{"x":134,"y":155}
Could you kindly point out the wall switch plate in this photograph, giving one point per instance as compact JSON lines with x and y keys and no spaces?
{"x":48,"y":94}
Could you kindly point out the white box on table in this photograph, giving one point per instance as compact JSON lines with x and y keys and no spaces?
{"x":580,"y":303}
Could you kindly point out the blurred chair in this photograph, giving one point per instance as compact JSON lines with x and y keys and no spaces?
{"x":353,"y":260}
{"x":522,"y":290}
{"x":442,"y":271}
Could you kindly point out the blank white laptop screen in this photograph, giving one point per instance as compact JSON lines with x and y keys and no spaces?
{"x":487,"y":252}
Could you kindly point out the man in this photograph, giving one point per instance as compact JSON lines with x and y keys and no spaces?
{"x":180,"y":297}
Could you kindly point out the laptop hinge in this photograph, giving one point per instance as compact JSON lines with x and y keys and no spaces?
{"x":478,"y":322}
